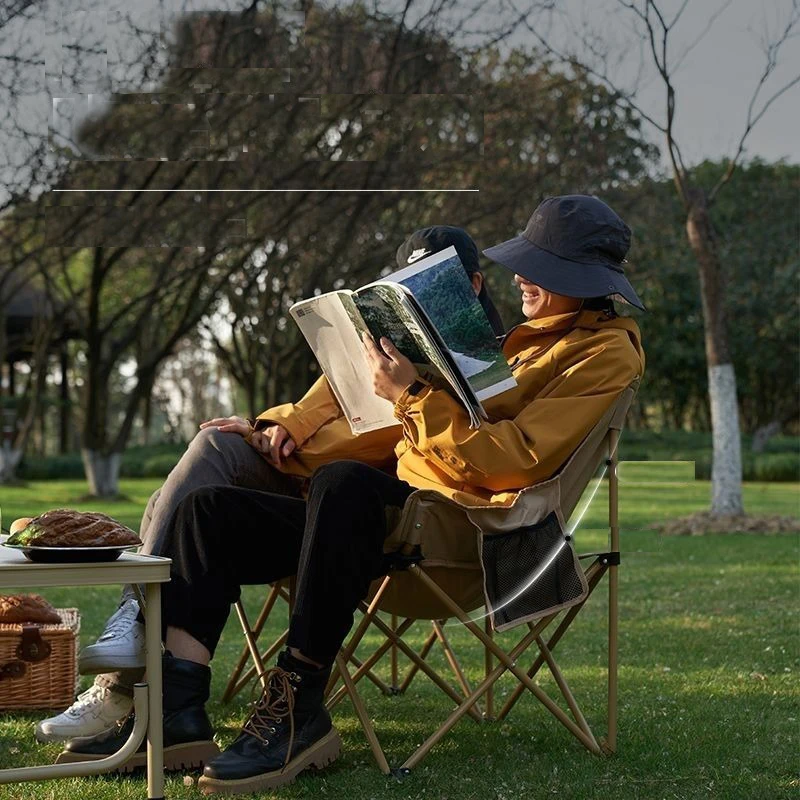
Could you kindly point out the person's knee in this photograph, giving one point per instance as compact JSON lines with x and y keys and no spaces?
{"x":204,"y":503}
{"x":340,"y":476}
{"x":213,"y":439}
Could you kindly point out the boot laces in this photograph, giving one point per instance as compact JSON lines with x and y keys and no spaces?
{"x":274,"y":705}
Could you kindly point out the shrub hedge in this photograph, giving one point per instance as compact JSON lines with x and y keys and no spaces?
{"x":155,"y":461}
{"x":779,"y":462}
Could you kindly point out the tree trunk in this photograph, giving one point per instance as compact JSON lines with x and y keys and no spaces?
{"x":10,"y":457}
{"x":64,"y":403}
{"x":726,"y":473}
{"x":147,"y":417}
{"x":102,"y":472}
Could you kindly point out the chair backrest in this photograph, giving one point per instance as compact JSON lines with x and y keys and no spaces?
{"x":578,"y":470}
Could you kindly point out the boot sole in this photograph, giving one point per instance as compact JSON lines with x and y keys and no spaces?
{"x":191,"y":755}
{"x":318,"y":756}
{"x":97,"y":665}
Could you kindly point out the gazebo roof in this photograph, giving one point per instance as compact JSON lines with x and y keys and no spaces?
{"x":28,"y":305}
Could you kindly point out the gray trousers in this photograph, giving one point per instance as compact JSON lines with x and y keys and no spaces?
{"x":213,"y":458}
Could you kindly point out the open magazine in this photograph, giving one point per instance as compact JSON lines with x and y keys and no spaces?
{"x":431,"y":314}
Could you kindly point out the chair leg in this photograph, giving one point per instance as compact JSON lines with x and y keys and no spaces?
{"x":350,"y":648}
{"x":393,"y":657}
{"x":376,"y":679}
{"x":252,"y":645}
{"x":267,"y":655}
{"x":566,"y":692}
{"x":365,"y":667}
{"x":415,"y":658}
{"x":427,"y":669}
{"x":594,"y":574}
{"x":506,"y":661}
{"x":454,"y":663}
{"x":613,"y":617}
{"x":613,"y":591}
{"x":266,"y":609}
{"x":361,"y":713}
{"x":487,"y":668}
{"x":464,"y":707}
{"x":414,"y":668}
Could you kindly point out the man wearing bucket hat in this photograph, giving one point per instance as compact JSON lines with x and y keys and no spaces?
{"x":571,"y":358}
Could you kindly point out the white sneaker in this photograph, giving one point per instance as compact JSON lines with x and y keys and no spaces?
{"x":95,"y":711}
{"x":120,"y":646}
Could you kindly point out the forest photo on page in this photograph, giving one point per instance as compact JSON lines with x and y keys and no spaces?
{"x":446,"y":294}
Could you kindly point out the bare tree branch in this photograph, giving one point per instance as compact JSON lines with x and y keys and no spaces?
{"x":771,"y":52}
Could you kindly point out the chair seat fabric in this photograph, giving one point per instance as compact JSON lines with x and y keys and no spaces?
{"x":521,"y":553}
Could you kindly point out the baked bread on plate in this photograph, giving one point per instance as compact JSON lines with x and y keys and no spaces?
{"x":64,"y":527}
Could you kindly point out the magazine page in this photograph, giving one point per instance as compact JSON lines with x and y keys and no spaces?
{"x":459,"y":384}
{"x":385,"y":313}
{"x":389,"y":310}
{"x":332,"y":326}
{"x":441,"y":287}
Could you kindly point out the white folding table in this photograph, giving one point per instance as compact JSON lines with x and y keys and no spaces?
{"x":150,"y":571}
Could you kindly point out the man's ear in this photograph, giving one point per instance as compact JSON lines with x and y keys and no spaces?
{"x":477,"y":282}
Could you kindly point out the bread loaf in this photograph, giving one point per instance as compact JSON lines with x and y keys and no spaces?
{"x":17,"y":608}
{"x":64,"y":527}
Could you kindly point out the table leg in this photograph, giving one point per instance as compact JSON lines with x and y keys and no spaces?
{"x":155,"y":728}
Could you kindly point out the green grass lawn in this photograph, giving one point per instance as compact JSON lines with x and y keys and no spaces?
{"x":709,"y":664}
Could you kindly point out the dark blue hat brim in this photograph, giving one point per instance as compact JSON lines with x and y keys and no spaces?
{"x":560,"y":275}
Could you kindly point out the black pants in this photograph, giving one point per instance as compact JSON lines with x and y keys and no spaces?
{"x":222,"y":537}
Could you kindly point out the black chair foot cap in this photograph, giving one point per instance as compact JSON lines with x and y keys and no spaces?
{"x":401,"y":773}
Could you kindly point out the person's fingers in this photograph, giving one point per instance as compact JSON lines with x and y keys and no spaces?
{"x":278,"y":438}
{"x":288,"y":448}
{"x":371,"y":348}
{"x":388,"y":347}
{"x":218,"y":421}
{"x":235,"y":427}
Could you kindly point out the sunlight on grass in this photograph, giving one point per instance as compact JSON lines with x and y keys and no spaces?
{"x":709,"y":659}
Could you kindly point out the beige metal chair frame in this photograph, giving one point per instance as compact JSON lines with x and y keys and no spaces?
{"x":506,"y":661}
{"x":498,"y":661}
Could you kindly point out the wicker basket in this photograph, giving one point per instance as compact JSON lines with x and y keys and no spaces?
{"x":29,"y":680}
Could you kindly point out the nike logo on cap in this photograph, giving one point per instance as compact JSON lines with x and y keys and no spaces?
{"x":417,"y":255}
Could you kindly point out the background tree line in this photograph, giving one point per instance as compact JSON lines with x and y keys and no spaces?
{"x":165,"y":288}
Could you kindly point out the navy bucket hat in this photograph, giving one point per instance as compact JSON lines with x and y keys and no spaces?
{"x":574,"y":245}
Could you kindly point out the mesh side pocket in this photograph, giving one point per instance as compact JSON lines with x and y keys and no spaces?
{"x":530,"y":572}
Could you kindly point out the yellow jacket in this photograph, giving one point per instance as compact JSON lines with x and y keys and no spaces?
{"x":569,"y":369}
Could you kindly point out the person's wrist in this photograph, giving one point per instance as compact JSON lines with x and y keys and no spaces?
{"x":415,"y":387}
{"x":411,"y":393}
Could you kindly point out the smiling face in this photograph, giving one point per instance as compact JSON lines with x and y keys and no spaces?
{"x":538,"y":303}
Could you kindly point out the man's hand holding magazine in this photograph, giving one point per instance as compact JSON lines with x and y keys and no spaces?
{"x":392,"y":373}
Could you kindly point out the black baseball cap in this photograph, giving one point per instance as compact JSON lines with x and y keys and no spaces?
{"x":427,"y":241}
{"x":573,"y":245}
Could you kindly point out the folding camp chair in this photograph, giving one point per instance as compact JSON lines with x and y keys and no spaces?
{"x":523,"y":568}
